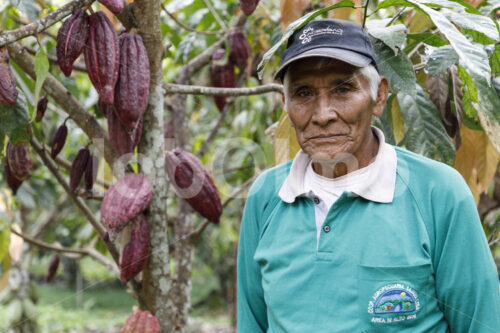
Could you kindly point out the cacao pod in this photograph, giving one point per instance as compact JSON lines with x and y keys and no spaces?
{"x":122,"y":140}
{"x":105,"y":108}
{"x":12,"y":181}
{"x":136,"y":251}
{"x":71,"y":40}
{"x":18,"y":157}
{"x":141,"y":321}
{"x":8,"y":89}
{"x":248,"y":6}
{"x":193,"y":183}
{"x":102,"y":56}
{"x":124,"y":200}
{"x":41,"y":107}
{"x":240,"y":48}
{"x":115,"y":6}
{"x":51,"y":272}
{"x":59,"y":140}
{"x":132,"y":89}
{"x":78,"y":168}
{"x":91,"y":172}
{"x":222,"y":76}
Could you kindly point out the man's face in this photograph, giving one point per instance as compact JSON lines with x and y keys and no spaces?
{"x":330,"y":108}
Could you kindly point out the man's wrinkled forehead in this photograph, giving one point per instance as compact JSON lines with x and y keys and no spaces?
{"x":320,"y":66}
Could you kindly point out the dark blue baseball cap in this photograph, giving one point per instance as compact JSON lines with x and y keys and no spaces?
{"x":338,"y":39}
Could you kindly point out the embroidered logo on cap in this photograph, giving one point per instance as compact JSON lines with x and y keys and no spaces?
{"x":396,"y":299}
{"x":307,"y":35}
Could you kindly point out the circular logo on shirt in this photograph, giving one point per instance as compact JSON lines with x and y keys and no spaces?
{"x":398,"y":299}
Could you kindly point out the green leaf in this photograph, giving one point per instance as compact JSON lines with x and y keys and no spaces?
{"x":486,"y":7}
{"x":425,"y":132}
{"x":441,"y":59}
{"x":428,"y":38}
{"x":4,"y":238}
{"x":41,"y":70}
{"x":15,"y":119}
{"x":185,"y":47}
{"x":485,"y":28}
{"x":397,"y":68}
{"x":393,"y":36}
{"x":470,"y":92}
{"x":292,"y":27}
{"x":495,"y":60}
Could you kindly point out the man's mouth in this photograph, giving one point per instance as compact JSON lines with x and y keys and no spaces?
{"x":325,"y":136}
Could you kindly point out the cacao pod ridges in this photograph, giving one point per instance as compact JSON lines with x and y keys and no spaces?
{"x":122,"y":139}
{"x":78,"y":168}
{"x":102,"y":56}
{"x":116,"y":6}
{"x":141,"y":322}
{"x":136,"y":251}
{"x":41,"y":107}
{"x":18,"y":157}
{"x":221,"y":76}
{"x":8,"y":89}
{"x":240,"y":48}
{"x":12,"y":181}
{"x":59,"y":140}
{"x":248,"y":6}
{"x":71,"y":40}
{"x":193,"y":183}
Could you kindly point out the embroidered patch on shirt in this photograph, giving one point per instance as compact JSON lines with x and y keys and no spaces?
{"x":397,"y":299}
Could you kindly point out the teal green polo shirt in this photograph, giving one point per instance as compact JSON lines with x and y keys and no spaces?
{"x":419,"y":263}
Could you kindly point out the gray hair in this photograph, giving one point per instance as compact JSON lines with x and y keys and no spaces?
{"x":369,"y":72}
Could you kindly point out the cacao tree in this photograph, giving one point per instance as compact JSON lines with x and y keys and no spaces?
{"x":149,"y":120}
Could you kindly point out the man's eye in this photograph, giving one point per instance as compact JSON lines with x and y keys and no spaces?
{"x":303,"y":93}
{"x":343,"y":89}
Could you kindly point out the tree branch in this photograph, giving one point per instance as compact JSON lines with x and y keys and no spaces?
{"x":366,"y":12}
{"x":43,"y":23}
{"x":185,"y":27}
{"x":172,"y":88}
{"x":67,"y":101}
{"x":215,"y":14}
{"x":77,"y":66}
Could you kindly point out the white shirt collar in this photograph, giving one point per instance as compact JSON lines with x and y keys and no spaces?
{"x":379,"y":188}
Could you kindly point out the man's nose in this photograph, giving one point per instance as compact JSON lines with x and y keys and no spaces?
{"x":325,"y":110}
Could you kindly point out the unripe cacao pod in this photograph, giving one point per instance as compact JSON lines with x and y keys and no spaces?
{"x":141,"y":322}
{"x":71,"y":40}
{"x":59,"y":139}
{"x":8,"y":89}
{"x":115,"y":6}
{"x":41,"y":107}
{"x":132,"y":89}
{"x":248,"y":6}
{"x":51,"y":272}
{"x":91,"y":172}
{"x":78,"y":168}
{"x":18,"y":157}
{"x":136,"y":251}
{"x":126,"y":198}
{"x":102,"y":56}
{"x":122,"y":139}
{"x":193,"y":183}
{"x":240,"y":48}
{"x":12,"y":181}
{"x":222,"y":76}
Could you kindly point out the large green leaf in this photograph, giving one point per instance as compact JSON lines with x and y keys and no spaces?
{"x":441,"y":59}
{"x":4,"y":238}
{"x":486,"y":7}
{"x":292,"y":27}
{"x":427,"y":38}
{"x":486,"y":29}
{"x":495,"y":60}
{"x":393,"y":36}
{"x":15,"y":119}
{"x":425,"y":132}
{"x":41,"y":70}
{"x":397,"y":68}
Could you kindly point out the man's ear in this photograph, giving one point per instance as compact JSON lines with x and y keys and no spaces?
{"x":383,"y":92}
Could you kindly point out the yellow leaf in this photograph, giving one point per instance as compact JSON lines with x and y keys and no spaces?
{"x":291,"y":10}
{"x":419,"y":22}
{"x":4,"y":272}
{"x":285,"y":142}
{"x":16,"y":244}
{"x":398,"y":122}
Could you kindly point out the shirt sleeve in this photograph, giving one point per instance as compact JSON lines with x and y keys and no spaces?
{"x":466,"y":276}
{"x":252,"y":312}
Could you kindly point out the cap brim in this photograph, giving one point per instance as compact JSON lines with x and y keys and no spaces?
{"x":350,"y":57}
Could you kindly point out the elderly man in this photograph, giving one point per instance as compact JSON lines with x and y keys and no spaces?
{"x":356,"y":235}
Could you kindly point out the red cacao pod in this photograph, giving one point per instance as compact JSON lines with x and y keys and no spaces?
{"x":78,"y":168}
{"x":41,"y":107}
{"x":12,"y":181}
{"x":115,"y":6}
{"x":240,"y":48}
{"x":18,"y":157}
{"x":222,"y":76}
{"x":51,"y":272}
{"x":136,"y":251}
{"x":141,"y":322}
{"x":132,"y":89}
{"x":8,"y":89}
{"x":193,"y":183}
{"x":124,"y":200}
{"x":248,"y":6}
{"x":102,"y":56}
{"x":59,"y":140}
{"x":91,"y":172}
{"x":122,"y":140}
{"x":71,"y":40}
